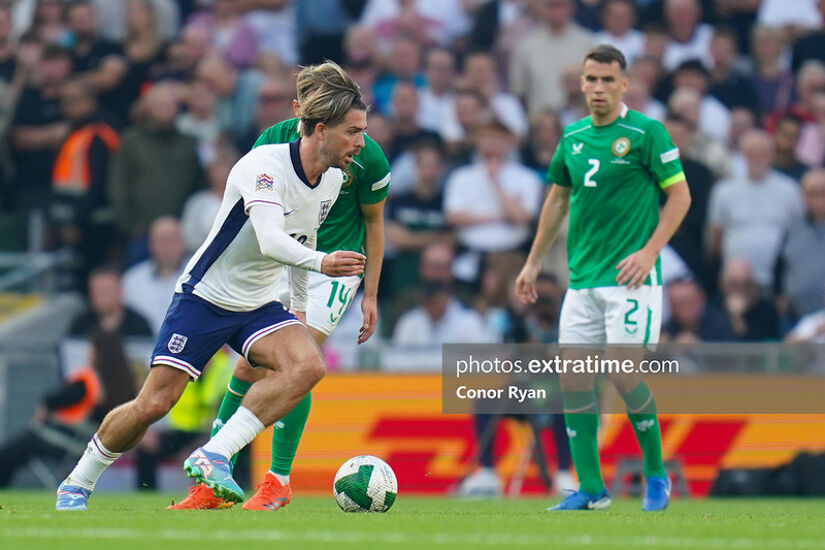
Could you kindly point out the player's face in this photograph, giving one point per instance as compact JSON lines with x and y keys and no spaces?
{"x":603,"y":85}
{"x":345,"y":140}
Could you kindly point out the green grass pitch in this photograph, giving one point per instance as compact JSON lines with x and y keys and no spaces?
{"x":118,"y":521}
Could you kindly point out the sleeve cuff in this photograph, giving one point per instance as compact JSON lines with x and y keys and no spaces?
{"x":319,"y":259}
{"x":672,"y":180}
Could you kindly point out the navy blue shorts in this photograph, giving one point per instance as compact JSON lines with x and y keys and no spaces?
{"x":194,"y":329}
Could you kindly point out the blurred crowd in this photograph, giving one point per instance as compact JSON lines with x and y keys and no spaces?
{"x":120,"y":120}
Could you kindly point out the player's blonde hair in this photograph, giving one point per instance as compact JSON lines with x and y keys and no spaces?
{"x":326,"y":94}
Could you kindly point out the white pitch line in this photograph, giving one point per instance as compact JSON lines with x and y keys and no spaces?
{"x":451,"y":539}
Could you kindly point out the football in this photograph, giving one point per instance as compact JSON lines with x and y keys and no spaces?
{"x":365,"y":484}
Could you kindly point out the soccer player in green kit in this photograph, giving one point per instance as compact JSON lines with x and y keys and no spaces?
{"x":609,"y":170}
{"x":355,"y":222}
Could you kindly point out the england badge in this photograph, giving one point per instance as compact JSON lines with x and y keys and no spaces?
{"x":177,"y":343}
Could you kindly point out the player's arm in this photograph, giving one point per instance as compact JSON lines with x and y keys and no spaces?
{"x":634,"y":269}
{"x":553,"y":211}
{"x":374,"y":247}
{"x":268,"y":222}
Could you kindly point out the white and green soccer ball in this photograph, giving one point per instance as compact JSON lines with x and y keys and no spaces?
{"x":365,"y":484}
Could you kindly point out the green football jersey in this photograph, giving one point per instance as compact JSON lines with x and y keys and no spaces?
{"x":616,"y":173}
{"x":368,"y":182}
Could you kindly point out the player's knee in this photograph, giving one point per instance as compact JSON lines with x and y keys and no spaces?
{"x":309,"y":371}
{"x":154,"y":407}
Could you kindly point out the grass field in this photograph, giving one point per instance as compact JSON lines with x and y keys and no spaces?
{"x":28,"y":521}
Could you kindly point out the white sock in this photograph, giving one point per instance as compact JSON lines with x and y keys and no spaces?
{"x":237,"y":433}
{"x":284,"y":480}
{"x":95,"y":459}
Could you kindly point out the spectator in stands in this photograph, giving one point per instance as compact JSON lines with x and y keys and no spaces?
{"x":449,"y":14}
{"x":274,"y":105}
{"x":48,"y":23}
{"x":143,"y":49}
{"x":410,"y":21}
{"x":402,"y":65}
{"x":786,"y":135}
{"x":481,"y":74}
{"x":535,"y":75}
{"x":618,"y":22}
{"x":748,"y":316}
{"x":87,"y":394}
{"x":148,"y":287}
{"x":497,"y":24}
{"x":38,"y":129}
{"x":544,"y":137}
{"x":154,"y":172}
{"x":361,"y":59}
{"x":79,"y":209}
{"x":810,"y":80}
{"x":639,"y":98}
{"x":183,"y":54}
{"x":728,"y":82}
{"x":200,"y":119}
{"x":471,"y":112}
{"x":575,"y":107}
{"x":810,"y":329}
{"x":236,"y":93}
{"x":8,"y":45}
{"x":773,"y":82}
{"x":441,"y":318}
{"x":406,"y":130}
{"x":811,"y":147}
{"x":656,"y":43}
{"x":202,"y":207}
{"x":323,"y":24}
{"x":688,"y":240}
{"x":742,"y":120}
{"x":190,"y":419}
{"x":233,"y":37}
{"x":436,"y":100}
{"x":811,"y":46}
{"x":747,"y":217}
{"x":492,"y":202}
{"x":106,"y":310}
{"x":802,"y":258}
{"x":689,"y":37}
{"x":713,"y":153}
{"x":691,"y":321}
{"x":797,"y":21}
{"x":96,"y":59}
{"x":415,"y":219}
{"x":714,"y":117}
{"x":274,"y":24}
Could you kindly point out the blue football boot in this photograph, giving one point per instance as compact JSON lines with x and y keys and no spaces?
{"x":657,"y":494}
{"x":214,"y":471}
{"x":583,"y":501}
{"x":71,"y":497}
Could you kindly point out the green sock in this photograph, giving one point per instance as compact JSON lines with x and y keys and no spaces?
{"x":235,"y":392}
{"x":641,"y":410}
{"x":581,"y":415}
{"x":286,"y":435}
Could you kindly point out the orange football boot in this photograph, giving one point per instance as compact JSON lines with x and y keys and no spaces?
{"x":270,"y":495}
{"x":200,"y":497}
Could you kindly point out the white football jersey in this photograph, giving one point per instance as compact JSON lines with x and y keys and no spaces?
{"x":229,"y":270}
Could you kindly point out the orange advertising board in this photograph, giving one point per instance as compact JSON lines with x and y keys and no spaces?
{"x":398,"y":418}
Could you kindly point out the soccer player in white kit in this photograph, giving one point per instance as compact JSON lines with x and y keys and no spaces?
{"x":276,"y":198}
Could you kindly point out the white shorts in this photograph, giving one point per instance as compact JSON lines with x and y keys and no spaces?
{"x":327,"y":301}
{"x":611,"y":315}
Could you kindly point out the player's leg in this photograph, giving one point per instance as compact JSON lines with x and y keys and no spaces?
{"x":285,"y":347}
{"x":582,"y":323}
{"x":633,"y":321}
{"x":120,"y":431}
{"x":327,"y":301}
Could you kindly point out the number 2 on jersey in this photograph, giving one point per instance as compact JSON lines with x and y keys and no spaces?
{"x":588,"y":182}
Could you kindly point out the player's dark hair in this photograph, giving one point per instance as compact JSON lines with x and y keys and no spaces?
{"x":326,"y":94}
{"x":605,"y":53}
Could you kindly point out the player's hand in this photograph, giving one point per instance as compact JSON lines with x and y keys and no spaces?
{"x":526,"y":283}
{"x":343,"y":263}
{"x":301,"y":316}
{"x":634,"y":269}
{"x":369,"y":307}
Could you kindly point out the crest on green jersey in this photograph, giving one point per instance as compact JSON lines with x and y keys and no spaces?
{"x":621,"y":147}
{"x":348,"y":177}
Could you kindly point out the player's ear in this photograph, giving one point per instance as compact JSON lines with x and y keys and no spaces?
{"x":321,"y":130}
{"x":296,"y":107}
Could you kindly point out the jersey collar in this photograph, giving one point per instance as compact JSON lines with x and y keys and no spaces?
{"x":295,"y":156}
{"x":625,"y":110}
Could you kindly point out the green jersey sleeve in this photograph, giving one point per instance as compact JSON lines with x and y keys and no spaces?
{"x":663,"y":156}
{"x":557,"y":172}
{"x":283,"y":132}
{"x":373,"y":174}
